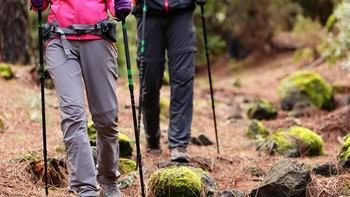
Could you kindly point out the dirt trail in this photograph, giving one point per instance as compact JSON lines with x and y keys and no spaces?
{"x":20,"y":110}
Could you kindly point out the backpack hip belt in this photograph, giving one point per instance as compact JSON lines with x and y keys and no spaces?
{"x":104,"y":28}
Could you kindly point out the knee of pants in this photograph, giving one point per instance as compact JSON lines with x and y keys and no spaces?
{"x":74,"y":118}
{"x":106,"y":121}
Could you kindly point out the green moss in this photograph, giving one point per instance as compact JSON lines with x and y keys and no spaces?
{"x":126,"y":166}
{"x":298,"y":141}
{"x":256,"y":128}
{"x":306,"y":85}
{"x":261,"y":109}
{"x":284,"y":145}
{"x":33,"y":156}
{"x":344,"y":154}
{"x":6,"y":71}
{"x":310,"y":141}
{"x":92,"y":133}
{"x":124,"y":146}
{"x":124,"y":141}
{"x":175,"y":182}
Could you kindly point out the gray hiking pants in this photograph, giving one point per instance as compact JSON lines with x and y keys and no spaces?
{"x":92,"y":65}
{"x":173,"y":33}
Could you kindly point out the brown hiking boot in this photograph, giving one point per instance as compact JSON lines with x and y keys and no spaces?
{"x":179,"y":154}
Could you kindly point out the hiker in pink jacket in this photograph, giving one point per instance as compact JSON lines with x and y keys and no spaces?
{"x":80,"y":55}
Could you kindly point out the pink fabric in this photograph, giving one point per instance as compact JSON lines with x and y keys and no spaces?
{"x":68,"y":12}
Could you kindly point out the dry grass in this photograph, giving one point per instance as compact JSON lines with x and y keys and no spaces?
{"x":23,"y":133}
{"x":329,"y":187}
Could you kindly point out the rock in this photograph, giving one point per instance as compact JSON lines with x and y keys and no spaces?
{"x":254,"y":171}
{"x":306,"y":86}
{"x":195,"y":162}
{"x":300,"y":109}
{"x":6,"y":71}
{"x":125,"y":148}
{"x":343,"y":156}
{"x":261,"y":110}
{"x":92,"y":133}
{"x":231,"y":193}
{"x":297,"y":141}
{"x":325,"y":169}
{"x":256,"y":129}
{"x":126,"y":166}
{"x":182,"y":181}
{"x":285,"y":178}
{"x":177,"y":181}
{"x":202,"y":140}
{"x":126,"y":180}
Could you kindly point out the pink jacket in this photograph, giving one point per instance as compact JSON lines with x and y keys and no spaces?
{"x":68,"y":12}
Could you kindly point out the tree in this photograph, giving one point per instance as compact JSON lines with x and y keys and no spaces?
{"x":14,"y":37}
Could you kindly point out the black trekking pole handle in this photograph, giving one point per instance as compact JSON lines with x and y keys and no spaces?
{"x":209,"y":75}
{"x":42,"y":78}
{"x":132,"y":98}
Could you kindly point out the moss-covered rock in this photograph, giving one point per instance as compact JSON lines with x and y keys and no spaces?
{"x":261,"y":110}
{"x":343,"y":156}
{"x":6,"y":71}
{"x":126,"y":166}
{"x":125,"y":148}
{"x":297,"y":141}
{"x":306,"y":86}
{"x":175,"y":182}
{"x":92,"y":133}
{"x":257,"y":129}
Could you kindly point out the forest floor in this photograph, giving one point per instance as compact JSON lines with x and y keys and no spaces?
{"x":20,"y":110}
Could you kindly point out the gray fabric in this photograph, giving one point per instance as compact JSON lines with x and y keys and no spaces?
{"x":95,"y":62}
{"x":175,"y":35}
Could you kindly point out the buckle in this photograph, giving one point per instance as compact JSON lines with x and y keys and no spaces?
{"x":80,"y":31}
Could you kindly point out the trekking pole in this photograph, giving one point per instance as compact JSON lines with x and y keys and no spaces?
{"x":42,"y":78}
{"x":142,"y":50}
{"x":209,"y":75}
{"x":131,"y":89}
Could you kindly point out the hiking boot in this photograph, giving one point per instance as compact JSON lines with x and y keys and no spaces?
{"x":110,"y":190}
{"x":153,"y":149}
{"x":179,"y":154}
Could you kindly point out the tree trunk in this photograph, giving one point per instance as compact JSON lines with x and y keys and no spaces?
{"x":14,"y":37}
